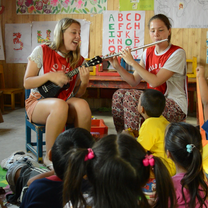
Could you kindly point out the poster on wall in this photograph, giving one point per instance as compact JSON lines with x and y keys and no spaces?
{"x":1,"y":46}
{"x":17,"y":42}
{"x":61,"y":6}
{"x":128,"y":5}
{"x":122,"y":30}
{"x":43,"y":31}
{"x":184,"y":13}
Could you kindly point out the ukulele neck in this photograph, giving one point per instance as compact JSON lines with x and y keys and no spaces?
{"x":75,"y":71}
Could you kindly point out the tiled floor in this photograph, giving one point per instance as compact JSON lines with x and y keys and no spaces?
{"x":12,"y":131}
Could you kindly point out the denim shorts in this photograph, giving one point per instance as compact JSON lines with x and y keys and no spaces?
{"x":29,"y":169}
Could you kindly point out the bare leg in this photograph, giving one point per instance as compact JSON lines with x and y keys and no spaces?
{"x":52,"y":112}
{"x":79,"y":113}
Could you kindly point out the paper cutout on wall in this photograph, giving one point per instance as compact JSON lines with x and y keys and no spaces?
{"x":61,"y":6}
{"x":41,"y":39}
{"x":42,"y":31}
{"x":17,"y":42}
{"x":1,"y":46}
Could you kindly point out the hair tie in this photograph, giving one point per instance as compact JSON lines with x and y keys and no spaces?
{"x":149,"y":160}
{"x":90,"y":155}
{"x":190,"y":147}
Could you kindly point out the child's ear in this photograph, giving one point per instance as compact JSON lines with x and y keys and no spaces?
{"x":143,"y":110}
{"x":168,"y":154}
{"x":50,"y":155}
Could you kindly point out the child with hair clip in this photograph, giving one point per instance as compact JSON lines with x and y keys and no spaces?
{"x":183,"y":145}
{"x":117,"y":167}
{"x":45,"y":190}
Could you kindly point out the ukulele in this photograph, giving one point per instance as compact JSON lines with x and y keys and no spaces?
{"x":50,"y":90}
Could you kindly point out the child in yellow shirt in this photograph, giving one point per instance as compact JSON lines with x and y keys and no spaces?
{"x":152,"y":132}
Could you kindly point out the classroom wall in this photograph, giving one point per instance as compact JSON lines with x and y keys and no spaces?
{"x":192,"y":40}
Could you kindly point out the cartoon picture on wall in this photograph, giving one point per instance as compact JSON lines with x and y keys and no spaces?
{"x":18,"y":42}
{"x":184,"y":13}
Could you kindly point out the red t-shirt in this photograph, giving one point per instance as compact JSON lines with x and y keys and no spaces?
{"x":52,"y":62}
{"x":155,"y":62}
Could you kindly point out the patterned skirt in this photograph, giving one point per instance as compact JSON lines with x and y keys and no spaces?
{"x":126,"y":115}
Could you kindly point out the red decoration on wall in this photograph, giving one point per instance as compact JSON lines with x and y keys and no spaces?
{"x":2,"y":9}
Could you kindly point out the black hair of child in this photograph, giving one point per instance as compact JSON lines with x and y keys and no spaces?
{"x":67,"y":140}
{"x":178,"y":135}
{"x":153,"y":102}
{"x":117,"y":175}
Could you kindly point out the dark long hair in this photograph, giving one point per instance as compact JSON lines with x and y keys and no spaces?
{"x":132,"y":151}
{"x":67,"y":140}
{"x":113,"y":179}
{"x":153,"y":102}
{"x":179,"y":135}
{"x":117,"y":175}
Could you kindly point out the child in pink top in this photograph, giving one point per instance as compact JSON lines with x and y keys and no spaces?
{"x":183,"y":144}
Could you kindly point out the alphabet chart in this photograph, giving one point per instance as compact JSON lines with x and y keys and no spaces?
{"x":122,"y":30}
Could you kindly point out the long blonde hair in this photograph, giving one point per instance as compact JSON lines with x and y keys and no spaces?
{"x":63,"y":24}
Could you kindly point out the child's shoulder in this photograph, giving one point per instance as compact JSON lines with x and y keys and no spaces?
{"x":156,"y":121}
{"x":45,"y":182}
{"x":153,"y":125}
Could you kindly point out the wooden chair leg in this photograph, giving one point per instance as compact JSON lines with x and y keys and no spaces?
{"x":13,"y":101}
{"x":2,"y":102}
{"x":22,"y":100}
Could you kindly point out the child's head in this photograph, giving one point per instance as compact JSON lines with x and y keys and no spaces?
{"x":151,"y":102}
{"x":113,"y":179}
{"x":115,"y":169}
{"x":133,"y":152}
{"x":67,"y":140}
{"x":183,"y":144}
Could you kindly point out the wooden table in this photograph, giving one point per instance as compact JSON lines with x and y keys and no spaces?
{"x":111,"y":83}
